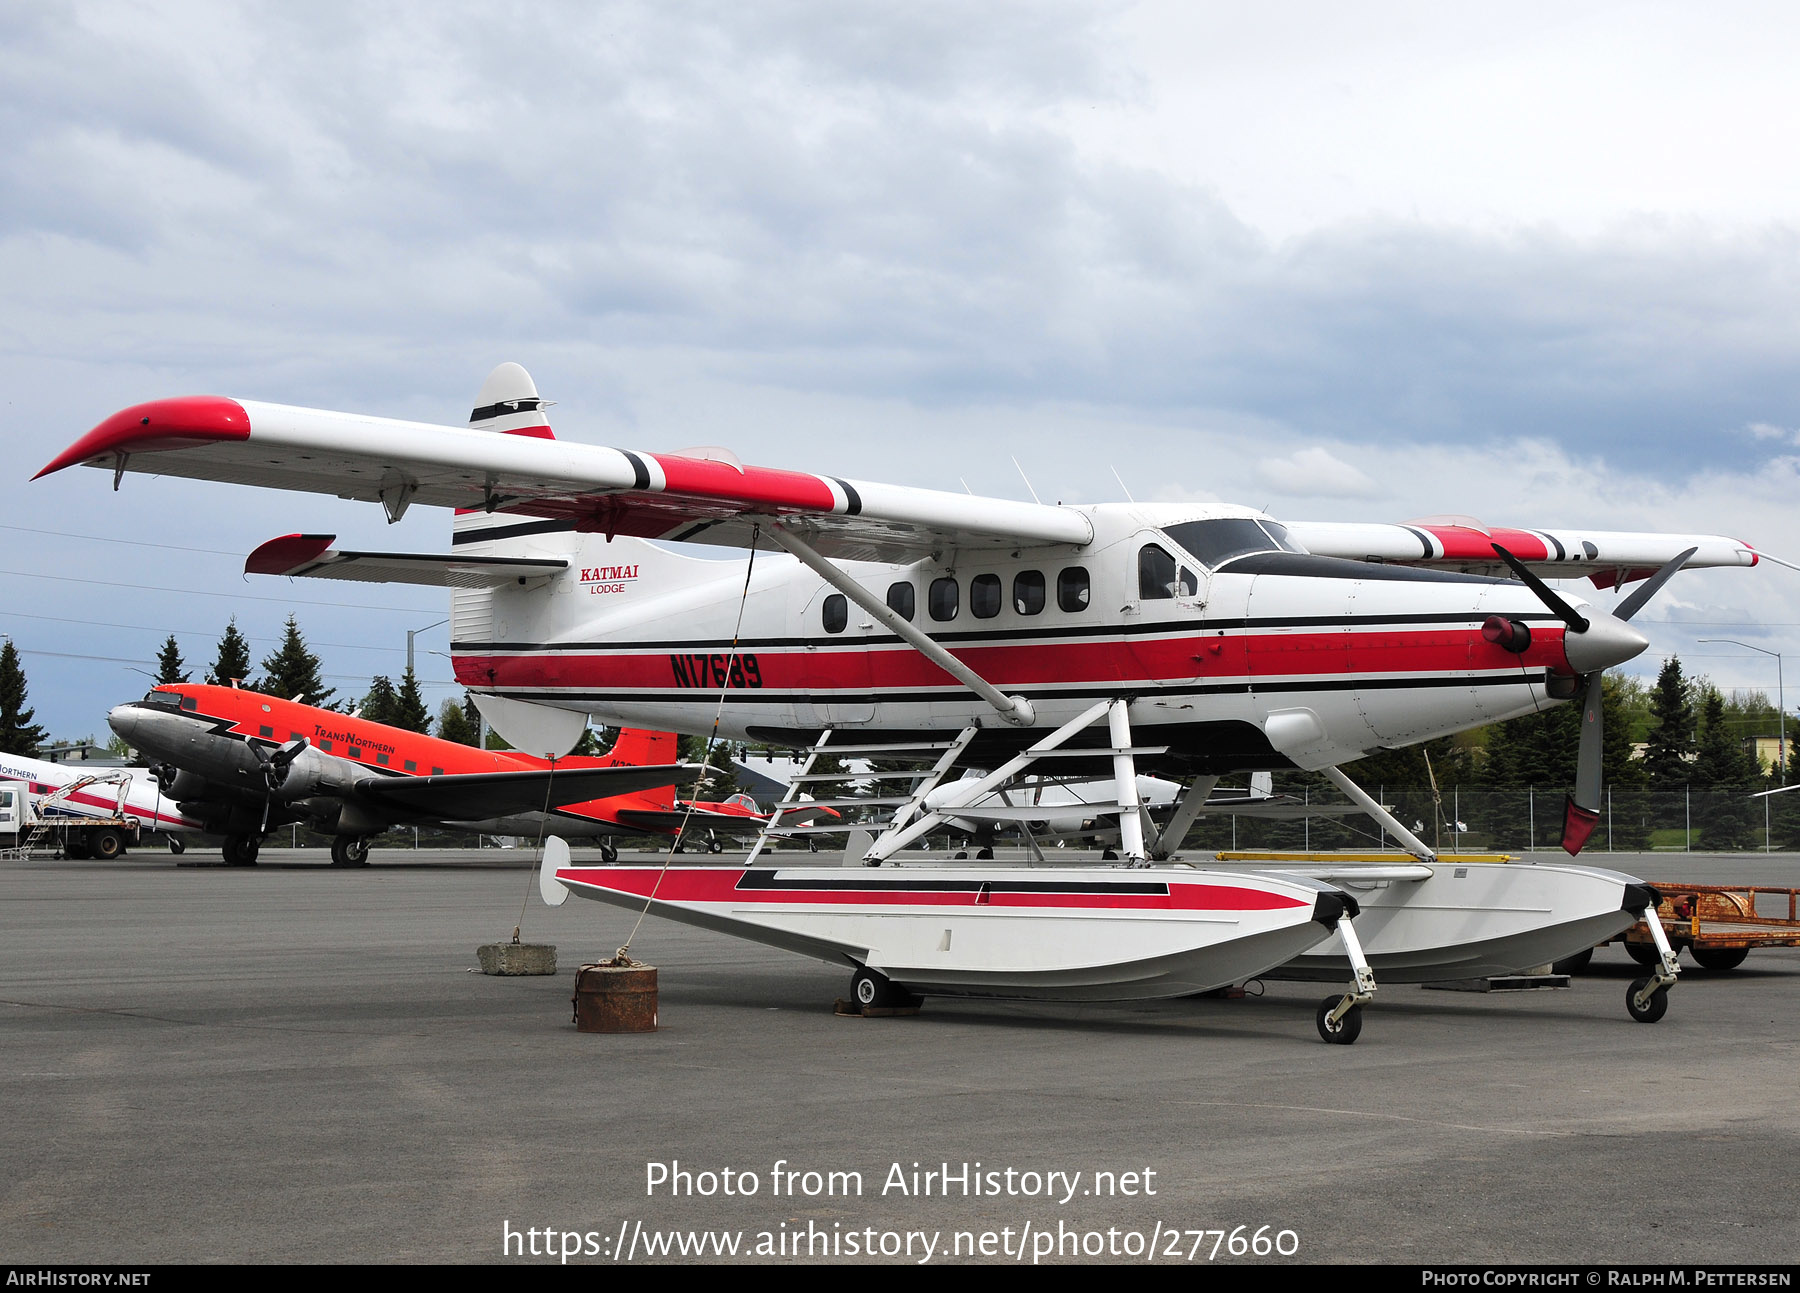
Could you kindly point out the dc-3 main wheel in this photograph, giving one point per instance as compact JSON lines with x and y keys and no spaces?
{"x":869,"y":988}
{"x":1659,"y":1002}
{"x":240,"y":850}
{"x":350,"y":850}
{"x":1346,"y":1030}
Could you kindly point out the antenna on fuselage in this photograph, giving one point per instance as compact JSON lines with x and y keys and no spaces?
{"x":1027,"y":480}
{"x":1121,"y":480}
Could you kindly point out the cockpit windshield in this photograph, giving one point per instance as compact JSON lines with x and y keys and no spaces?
{"x":1213,"y":543}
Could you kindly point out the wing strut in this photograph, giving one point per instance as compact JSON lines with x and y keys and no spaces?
{"x":1014,"y":709}
{"x":1367,"y":803}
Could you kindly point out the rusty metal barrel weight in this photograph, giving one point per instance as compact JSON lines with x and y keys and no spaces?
{"x":615,"y":999}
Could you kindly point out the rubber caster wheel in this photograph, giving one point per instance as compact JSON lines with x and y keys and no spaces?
{"x":1659,"y":1002}
{"x":1718,"y":958}
{"x":177,"y":845}
{"x":609,"y":854}
{"x":870,"y":989}
{"x":962,"y":855}
{"x":1109,"y":855}
{"x":1346,"y":1030}
{"x":714,"y":846}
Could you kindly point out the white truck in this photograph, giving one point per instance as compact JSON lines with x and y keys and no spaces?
{"x":79,"y":811}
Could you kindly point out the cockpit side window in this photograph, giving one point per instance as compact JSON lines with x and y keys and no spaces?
{"x":1213,"y":543}
{"x":1156,"y":573}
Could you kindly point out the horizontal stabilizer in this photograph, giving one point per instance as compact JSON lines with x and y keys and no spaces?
{"x":481,"y":795}
{"x":312,"y":556}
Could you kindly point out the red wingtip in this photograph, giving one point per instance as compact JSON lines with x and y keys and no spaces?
{"x":160,"y":424}
{"x":289,"y":552}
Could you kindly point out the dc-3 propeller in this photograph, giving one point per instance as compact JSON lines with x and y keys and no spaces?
{"x":1581,"y":812}
{"x":275,"y":764}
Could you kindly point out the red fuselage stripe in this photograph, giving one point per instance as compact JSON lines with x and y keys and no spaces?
{"x":1263,"y":657}
{"x":720,"y":885}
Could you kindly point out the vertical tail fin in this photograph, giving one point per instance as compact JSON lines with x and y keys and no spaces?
{"x":640,"y":749}
{"x":508,"y":403}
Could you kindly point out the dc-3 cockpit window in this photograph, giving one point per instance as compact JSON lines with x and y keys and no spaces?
{"x":1214,"y":543}
{"x":1159,"y":577}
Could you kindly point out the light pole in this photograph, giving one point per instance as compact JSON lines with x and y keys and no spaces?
{"x":413,"y":633}
{"x":1780,"y":700}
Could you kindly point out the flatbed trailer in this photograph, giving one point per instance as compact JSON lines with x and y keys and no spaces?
{"x":1718,"y":923}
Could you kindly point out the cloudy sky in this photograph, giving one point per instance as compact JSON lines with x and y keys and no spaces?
{"x":1537,"y":264}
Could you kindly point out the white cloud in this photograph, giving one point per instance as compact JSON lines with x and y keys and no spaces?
{"x":1314,"y":473}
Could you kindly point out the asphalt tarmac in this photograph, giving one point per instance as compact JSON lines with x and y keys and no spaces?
{"x":297,"y":1063}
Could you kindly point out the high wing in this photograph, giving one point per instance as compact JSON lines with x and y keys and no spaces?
{"x":708,"y":496}
{"x":1465,"y":545}
{"x":703,"y":496}
{"x":480,"y":795}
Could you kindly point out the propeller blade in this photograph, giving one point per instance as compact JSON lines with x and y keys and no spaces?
{"x":1558,"y":607}
{"x":1581,"y":812}
{"x":1651,"y":586}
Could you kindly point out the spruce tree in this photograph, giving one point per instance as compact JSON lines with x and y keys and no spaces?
{"x":232,"y":667}
{"x":18,"y":734}
{"x":454,"y":725}
{"x":409,"y":707}
{"x":1727,"y":772}
{"x":294,"y":672}
{"x":169,"y":665}
{"x":381,"y":705}
{"x":1670,"y":742}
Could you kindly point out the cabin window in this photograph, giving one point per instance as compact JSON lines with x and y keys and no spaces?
{"x":437,"y":772}
{"x":984,"y":596}
{"x":381,"y":758}
{"x":900,"y":600}
{"x":355,"y":752}
{"x":411,"y":765}
{"x":326,"y":746}
{"x":837,"y":613}
{"x":1072,"y":589}
{"x":1028,"y":592}
{"x":945,"y":597}
{"x":265,"y":731}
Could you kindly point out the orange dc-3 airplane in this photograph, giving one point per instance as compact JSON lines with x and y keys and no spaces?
{"x":244,"y":763}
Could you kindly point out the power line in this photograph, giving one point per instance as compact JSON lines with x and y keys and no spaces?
{"x":236,"y":597}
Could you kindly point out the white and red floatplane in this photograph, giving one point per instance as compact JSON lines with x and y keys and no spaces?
{"x":1187,"y":640}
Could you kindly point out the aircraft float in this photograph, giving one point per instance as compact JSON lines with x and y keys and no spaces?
{"x":1187,"y":640}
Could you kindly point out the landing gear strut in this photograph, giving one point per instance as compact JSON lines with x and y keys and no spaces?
{"x":1339,"y":1019}
{"x":1648,"y":998}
